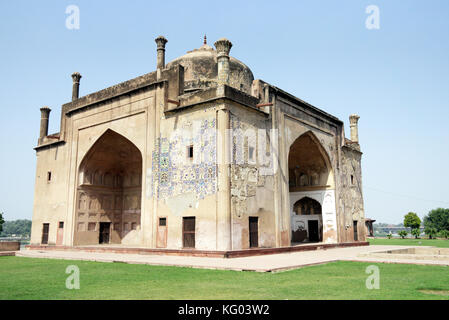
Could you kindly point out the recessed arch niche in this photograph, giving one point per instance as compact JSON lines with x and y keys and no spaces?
{"x":309,"y":167}
{"x":310,"y":175}
{"x":109,"y":192}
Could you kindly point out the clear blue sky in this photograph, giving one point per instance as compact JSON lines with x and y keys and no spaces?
{"x":396,"y":78}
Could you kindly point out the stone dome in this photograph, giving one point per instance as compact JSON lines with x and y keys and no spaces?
{"x":200,"y":70}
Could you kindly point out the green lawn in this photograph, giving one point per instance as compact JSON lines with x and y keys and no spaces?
{"x":440,"y":243}
{"x":27,"y":278}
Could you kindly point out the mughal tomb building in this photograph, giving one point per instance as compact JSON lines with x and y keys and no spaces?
{"x":197,"y":154}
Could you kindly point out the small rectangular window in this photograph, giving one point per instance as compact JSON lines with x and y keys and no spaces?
{"x":162,"y":222}
{"x":61,"y":224}
{"x":49,"y":176}
{"x":352,"y":179}
{"x":251,"y":154}
{"x":91,"y":226}
{"x":133,"y":226}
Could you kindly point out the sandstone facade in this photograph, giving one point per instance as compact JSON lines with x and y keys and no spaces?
{"x":196,"y":154}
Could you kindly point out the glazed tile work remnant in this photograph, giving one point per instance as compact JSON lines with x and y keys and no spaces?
{"x":174,"y":173}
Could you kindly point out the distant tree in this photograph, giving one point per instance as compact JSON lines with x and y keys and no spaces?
{"x":389,"y":235}
{"x":2,"y":221}
{"x":403,"y":233}
{"x":431,"y":232}
{"x":416,"y":232}
{"x":444,"y":234}
{"x":17,"y":227}
{"x":411,"y":220}
{"x":438,"y":219}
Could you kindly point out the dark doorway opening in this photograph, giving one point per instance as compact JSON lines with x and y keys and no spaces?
{"x":105,"y":230}
{"x":45,"y":230}
{"x":161,"y":241}
{"x":188,"y":232}
{"x":314,"y":233}
{"x":253,"y":232}
{"x":356,"y":236}
{"x":60,"y":235}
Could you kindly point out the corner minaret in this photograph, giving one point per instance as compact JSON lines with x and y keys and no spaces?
{"x":223,"y":48}
{"x":76,"y":77}
{"x":160,"y":41}
{"x":353,"y":124}
{"x":45,"y":115}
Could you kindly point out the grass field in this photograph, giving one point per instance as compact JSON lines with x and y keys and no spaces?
{"x":440,"y":243}
{"x":27,"y":278}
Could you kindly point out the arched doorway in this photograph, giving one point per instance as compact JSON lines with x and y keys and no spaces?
{"x":109,"y":192}
{"x":311,"y":191}
{"x":309,"y":224}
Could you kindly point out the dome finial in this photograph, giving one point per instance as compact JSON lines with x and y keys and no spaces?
{"x":205,"y":39}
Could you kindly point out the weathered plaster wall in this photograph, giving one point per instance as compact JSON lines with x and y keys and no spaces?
{"x":252,"y":181}
{"x":350,"y":198}
{"x":183,"y":186}
{"x":50,"y":197}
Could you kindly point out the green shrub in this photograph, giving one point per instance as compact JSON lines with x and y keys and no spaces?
{"x":403,"y":234}
{"x":416,"y":232}
{"x":431,"y":232}
{"x":389,"y":236}
{"x":444,"y":234}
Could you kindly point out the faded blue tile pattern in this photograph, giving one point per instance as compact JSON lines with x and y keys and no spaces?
{"x":174,"y":173}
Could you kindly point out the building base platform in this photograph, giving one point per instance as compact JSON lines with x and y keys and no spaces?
{"x":7,"y":253}
{"x":199,"y":253}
